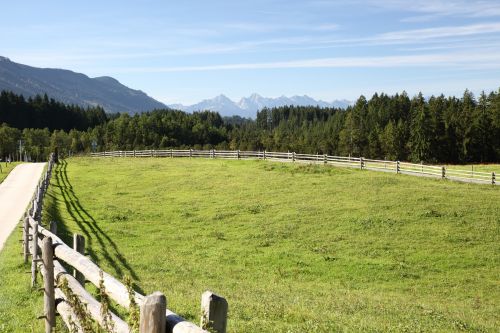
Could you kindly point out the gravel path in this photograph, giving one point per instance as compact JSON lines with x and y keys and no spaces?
{"x":16,"y":192}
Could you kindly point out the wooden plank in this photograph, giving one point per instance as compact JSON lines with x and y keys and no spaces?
{"x":93,"y":306}
{"x":65,"y":311}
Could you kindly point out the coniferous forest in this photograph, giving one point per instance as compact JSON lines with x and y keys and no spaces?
{"x":438,"y":129}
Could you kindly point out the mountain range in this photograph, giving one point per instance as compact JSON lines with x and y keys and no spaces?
{"x":248,"y":106}
{"x":74,"y":88}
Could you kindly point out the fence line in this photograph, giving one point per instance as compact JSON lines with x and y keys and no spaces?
{"x":345,"y":161}
{"x":67,"y":295}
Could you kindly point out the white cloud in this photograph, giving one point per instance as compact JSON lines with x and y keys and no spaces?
{"x":440,"y":32}
{"x":471,"y":60}
{"x":432,"y":9}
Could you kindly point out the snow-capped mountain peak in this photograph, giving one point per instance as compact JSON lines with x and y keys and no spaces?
{"x":248,"y":106}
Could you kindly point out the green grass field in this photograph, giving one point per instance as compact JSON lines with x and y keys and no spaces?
{"x":6,"y":169}
{"x":489,"y":168}
{"x":293,"y":248}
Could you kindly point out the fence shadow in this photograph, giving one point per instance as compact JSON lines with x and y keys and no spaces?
{"x":95,"y":237}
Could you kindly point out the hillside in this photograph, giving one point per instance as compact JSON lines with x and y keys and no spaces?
{"x":74,"y":88}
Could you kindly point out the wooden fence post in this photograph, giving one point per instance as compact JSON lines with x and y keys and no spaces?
{"x":53,"y":227}
{"x":79,"y":246}
{"x":264,"y":154}
{"x":34,"y":254}
{"x":293,"y":156}
{"x":493,"y":178}
{"x":48,"y":285}
{"x":171,"y":153}
{"x":190,"y":152}
{"x":26,"y":239}
{"x":398,"y":169}
{"x":443,"y":172}
{"x":361,"y":163}
{"x":152,"y":318}
{"x":325,"y":160}
{"x":213,"y":312}
{"x":238,"y":154}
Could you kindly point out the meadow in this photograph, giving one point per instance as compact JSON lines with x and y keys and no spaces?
{"x":6,"y":168}
{"x":489,"y":168}
{"x":293,"y":248}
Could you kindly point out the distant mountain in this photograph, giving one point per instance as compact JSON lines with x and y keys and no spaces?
{"x":221,"y":104}
{"x":248,"y":106}
{"x":74,"y":88}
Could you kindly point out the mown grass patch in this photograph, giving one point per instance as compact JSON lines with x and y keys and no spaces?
{"x":293,"y":248}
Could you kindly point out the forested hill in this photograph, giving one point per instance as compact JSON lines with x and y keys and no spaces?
{"x":74,"y":88}
{"x":437,"y":130}
{"x":42,"y":112}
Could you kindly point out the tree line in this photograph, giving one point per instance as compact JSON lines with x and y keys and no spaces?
{"x":438,"y":129}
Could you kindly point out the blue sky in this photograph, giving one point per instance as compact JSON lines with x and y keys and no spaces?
{"x":185,"y":51}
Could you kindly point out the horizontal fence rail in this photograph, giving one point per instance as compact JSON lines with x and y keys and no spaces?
{"x":415,"y":169}
{"x":65,"y":293}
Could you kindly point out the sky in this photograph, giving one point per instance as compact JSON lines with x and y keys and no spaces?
{"x":186,"y":51}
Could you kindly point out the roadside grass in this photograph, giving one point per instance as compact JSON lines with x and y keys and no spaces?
{"x":294,"y":248}
{"x":19,"y":305}
{"x":6,"y":169}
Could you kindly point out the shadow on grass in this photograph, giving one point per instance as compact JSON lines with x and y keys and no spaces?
{"x":86,"y":223}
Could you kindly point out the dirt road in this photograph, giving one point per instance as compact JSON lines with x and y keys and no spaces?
{"x":15,"y":194}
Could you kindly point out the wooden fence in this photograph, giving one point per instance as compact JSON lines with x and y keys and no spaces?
{"x":65,"y":293}
{"x":344,"y":161}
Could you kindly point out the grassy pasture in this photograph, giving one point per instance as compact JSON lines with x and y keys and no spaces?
{"x":489,"y":168}
{"x":293,"y":248}
{"x":6,"y":169}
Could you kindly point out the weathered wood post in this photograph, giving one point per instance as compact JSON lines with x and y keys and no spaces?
{"x":26,"y":238}
{"x":134,"y":152}
{"x":171,"y":153}
{"x":49,"y":304}
{"x":325,"y":159}
{"x":53,"y":227}
{"x":213,"y":312}
{"x":361,"y":163}
{"x":398,"y":169}
{"x":190,"y":152}
{"x":30,"y":211}
{"x":293,"y":156}
{"x":443,"y":172}
{"x":152,"y":317}
{"x":493,"y":178}
{"x":34,"y":254}
{"x":214,"y":152}
{"x":238,"y":152}
{"x":79,"y":246}
{"x":264,"y":154}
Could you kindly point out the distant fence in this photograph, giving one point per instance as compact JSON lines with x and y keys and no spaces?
{"x":65,"y":293}
{"x":344,"y":161}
